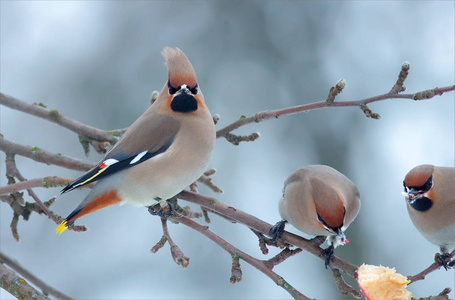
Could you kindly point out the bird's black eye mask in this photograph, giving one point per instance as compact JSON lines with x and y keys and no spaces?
{"x":183,"y":88}
{"x":424,"y":188}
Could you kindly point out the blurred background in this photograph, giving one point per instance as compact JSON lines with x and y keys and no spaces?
{"x":98,"y":62}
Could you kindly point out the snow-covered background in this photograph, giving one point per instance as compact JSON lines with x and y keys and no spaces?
{"x":98,"y":62}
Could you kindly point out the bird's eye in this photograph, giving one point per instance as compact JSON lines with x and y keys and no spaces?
{"x":427,"y":186}
{"x":172,"y":90}
{"x":194,"y":90}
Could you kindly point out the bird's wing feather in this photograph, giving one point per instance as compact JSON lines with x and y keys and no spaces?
{"x":149,"y":136}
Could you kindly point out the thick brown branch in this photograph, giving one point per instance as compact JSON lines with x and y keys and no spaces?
{"x":263,"y":227}
{"x":269,"y":114}
{"x":39,"y":110}
{"x":247,"y":258}
{"x":11,"y":282}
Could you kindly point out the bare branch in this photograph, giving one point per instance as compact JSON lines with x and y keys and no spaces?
{"x":263,"y":242}
{"x":14,"y":171}
{"x":44,"y":156}
{"x":368,"y":113}
{"x":236,"y":139}
{"x":46,"y":182}
{"x":41,"y":111}
{"x":343,"y":287}
{"x":280,"y":257}
{"x":159,"y":245}
{"x":207,"y":180}
{"x":177,"y":254}
{"x":263,"y":227}
{"x":236,"y":271}
{"x":269,"y":114}
{"x":398,"y":87}
{"x":235,"y":251}
{"x":11,"y":281}
{"x":335,"y":90}
{"x":433,"y":267}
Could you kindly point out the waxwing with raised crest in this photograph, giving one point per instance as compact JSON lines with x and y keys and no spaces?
{"x":430,"y":199}
{"x":318,"y":200}
{"x":161,"y":153}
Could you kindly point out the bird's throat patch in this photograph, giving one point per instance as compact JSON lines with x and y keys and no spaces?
{"x":184,"y":103}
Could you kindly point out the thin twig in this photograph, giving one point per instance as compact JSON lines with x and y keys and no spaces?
{"x":343,"y":287}
{"x":281,"y":257}
{"x":206,"y":179}
{"x":263,"y":242}
{"x":16,"y":173}
{"x":32,"y":278}
{"x":433,"y":267}
{"x":398,"y":87}
{"x":176,"y":253}
{"x":335,"y":90}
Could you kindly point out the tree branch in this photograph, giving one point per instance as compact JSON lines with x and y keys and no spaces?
{"x":46,"y":182}
{"x":263,"y":227}
{"x":270,"y":114}
{"x":19,"y":287}
{"x":41,"y":111}
{"x":44,"y":156}
{"x":433,"y":267}
{"x":237,"y":252}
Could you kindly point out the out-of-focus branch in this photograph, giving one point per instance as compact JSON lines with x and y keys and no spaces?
{"x":329,"y":102}
{"x":46,"y":182}
{"x":43,"y":156}
{"x":237,"y":252}
{"x":18,"y":287}
{"x":41,"y":111}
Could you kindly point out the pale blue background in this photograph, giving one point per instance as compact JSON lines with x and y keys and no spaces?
{"x":98,"y":62}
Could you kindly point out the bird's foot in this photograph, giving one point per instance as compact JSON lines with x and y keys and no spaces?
{"x":277,"y":230}
{"x":444,"y":260}
{"x":328,"y":253}
{"x":163,"y":209}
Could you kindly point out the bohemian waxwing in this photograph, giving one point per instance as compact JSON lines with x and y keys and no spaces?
{"x":161,"y":153}
{"x":430,"y":195}
{"x":318,"y":200}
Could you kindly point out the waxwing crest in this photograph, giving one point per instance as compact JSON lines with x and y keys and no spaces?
{"x":418,"y":176}
{"x":180,"y":69}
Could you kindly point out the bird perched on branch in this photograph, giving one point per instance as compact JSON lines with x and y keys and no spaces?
{"x":430,"y":199}
{"x":162,"y":152}
{"x":318,"y":200}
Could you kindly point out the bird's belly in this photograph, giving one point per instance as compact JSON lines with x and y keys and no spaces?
{"x":144,"y":187}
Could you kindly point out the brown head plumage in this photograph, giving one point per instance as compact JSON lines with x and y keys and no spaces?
{"x":328,"y":203}
{"x":180,"y":69}
{"x":418,"y":176}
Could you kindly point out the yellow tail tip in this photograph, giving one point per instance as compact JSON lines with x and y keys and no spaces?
{"x":62,"y":227}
